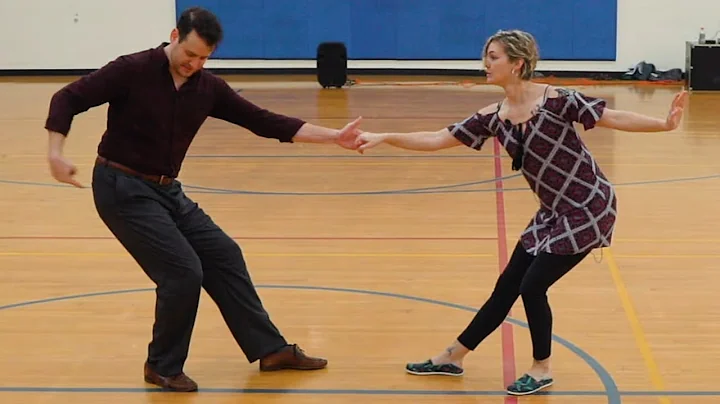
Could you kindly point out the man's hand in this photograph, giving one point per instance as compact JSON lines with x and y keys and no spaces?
{"x":346,"y":136}
{"x":63,"y":170}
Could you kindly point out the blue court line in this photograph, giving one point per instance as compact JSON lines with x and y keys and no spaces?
{"x":671,"y":180}
{"x":202,"y":189}
{"x":440,"y":189}
{"x":210,"y":190}
{"x":432,"y":189}
{"x":443,"y":189}
{"x":37,"y":184}
{"x":611,"y":390}
{"x":621,"y":184}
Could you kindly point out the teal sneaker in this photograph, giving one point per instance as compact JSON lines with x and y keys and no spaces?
{"x":428,"y":368}
{"x":528,"y":385}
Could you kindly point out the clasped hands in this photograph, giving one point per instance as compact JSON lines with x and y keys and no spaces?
{"x":350,"y":137}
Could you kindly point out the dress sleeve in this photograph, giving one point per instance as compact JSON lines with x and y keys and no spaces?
{"x":473,"y":131}
{"x":583,"y":109}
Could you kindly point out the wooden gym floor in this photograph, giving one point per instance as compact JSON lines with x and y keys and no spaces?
{"x":370,"y":261}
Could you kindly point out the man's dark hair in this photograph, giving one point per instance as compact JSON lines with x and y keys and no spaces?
{"x":203,"y":22}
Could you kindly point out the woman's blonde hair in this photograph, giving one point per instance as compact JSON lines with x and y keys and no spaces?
{"x":518,"y":45}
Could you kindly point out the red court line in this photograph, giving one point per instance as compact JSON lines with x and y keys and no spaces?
{"x":508,"y":345}
{"x":300,"y":238}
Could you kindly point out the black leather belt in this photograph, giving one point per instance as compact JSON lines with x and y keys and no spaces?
{"x":158,"y":179}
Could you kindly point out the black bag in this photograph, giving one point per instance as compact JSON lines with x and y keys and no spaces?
{"x":641,"y":71}
{"x":332,"y":64}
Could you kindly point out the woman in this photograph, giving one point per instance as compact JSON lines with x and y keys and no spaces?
{"x":534,"y":122}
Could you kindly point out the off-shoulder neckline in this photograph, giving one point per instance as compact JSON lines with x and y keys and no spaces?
{"x":561,"y":93}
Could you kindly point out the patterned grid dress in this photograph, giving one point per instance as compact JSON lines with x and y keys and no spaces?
{"x":578,"y":206}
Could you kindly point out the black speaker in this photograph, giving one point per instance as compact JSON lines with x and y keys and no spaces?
{"x":702,"y":66}
{"x":332,"y":64}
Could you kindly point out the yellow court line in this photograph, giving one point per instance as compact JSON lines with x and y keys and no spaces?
{"x":637,"y":330}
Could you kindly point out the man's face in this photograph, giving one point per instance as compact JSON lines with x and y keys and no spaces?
{"x":189,"y":55}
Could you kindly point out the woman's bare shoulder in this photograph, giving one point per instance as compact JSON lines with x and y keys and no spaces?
{"x":489,"y":109}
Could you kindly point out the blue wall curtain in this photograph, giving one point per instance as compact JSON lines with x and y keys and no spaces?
{"x":410,"y":29}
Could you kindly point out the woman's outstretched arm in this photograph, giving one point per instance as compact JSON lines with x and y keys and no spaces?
{"x":633,"y":122}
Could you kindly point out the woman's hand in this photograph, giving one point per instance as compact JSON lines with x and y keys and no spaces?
{"x":367,"y":140}
{"x":676,"y":110}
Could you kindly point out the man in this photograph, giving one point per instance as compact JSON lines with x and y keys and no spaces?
{"x":158,"y":99}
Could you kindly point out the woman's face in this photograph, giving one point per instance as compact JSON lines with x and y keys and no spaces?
{"x":498,"y":67}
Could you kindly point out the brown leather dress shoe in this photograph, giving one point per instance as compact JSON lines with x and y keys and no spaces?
{"x":291,"y":357}
{"x":175,"y":383}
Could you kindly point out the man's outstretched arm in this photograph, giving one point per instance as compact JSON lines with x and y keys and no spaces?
{"x":231,"y":107}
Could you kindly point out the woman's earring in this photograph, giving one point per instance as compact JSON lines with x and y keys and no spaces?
{"x":513,"y":72}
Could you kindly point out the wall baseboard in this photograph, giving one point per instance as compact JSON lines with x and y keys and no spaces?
{"x":609,"y":75}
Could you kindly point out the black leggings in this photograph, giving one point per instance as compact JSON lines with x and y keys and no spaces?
{"x":530,"y":277}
